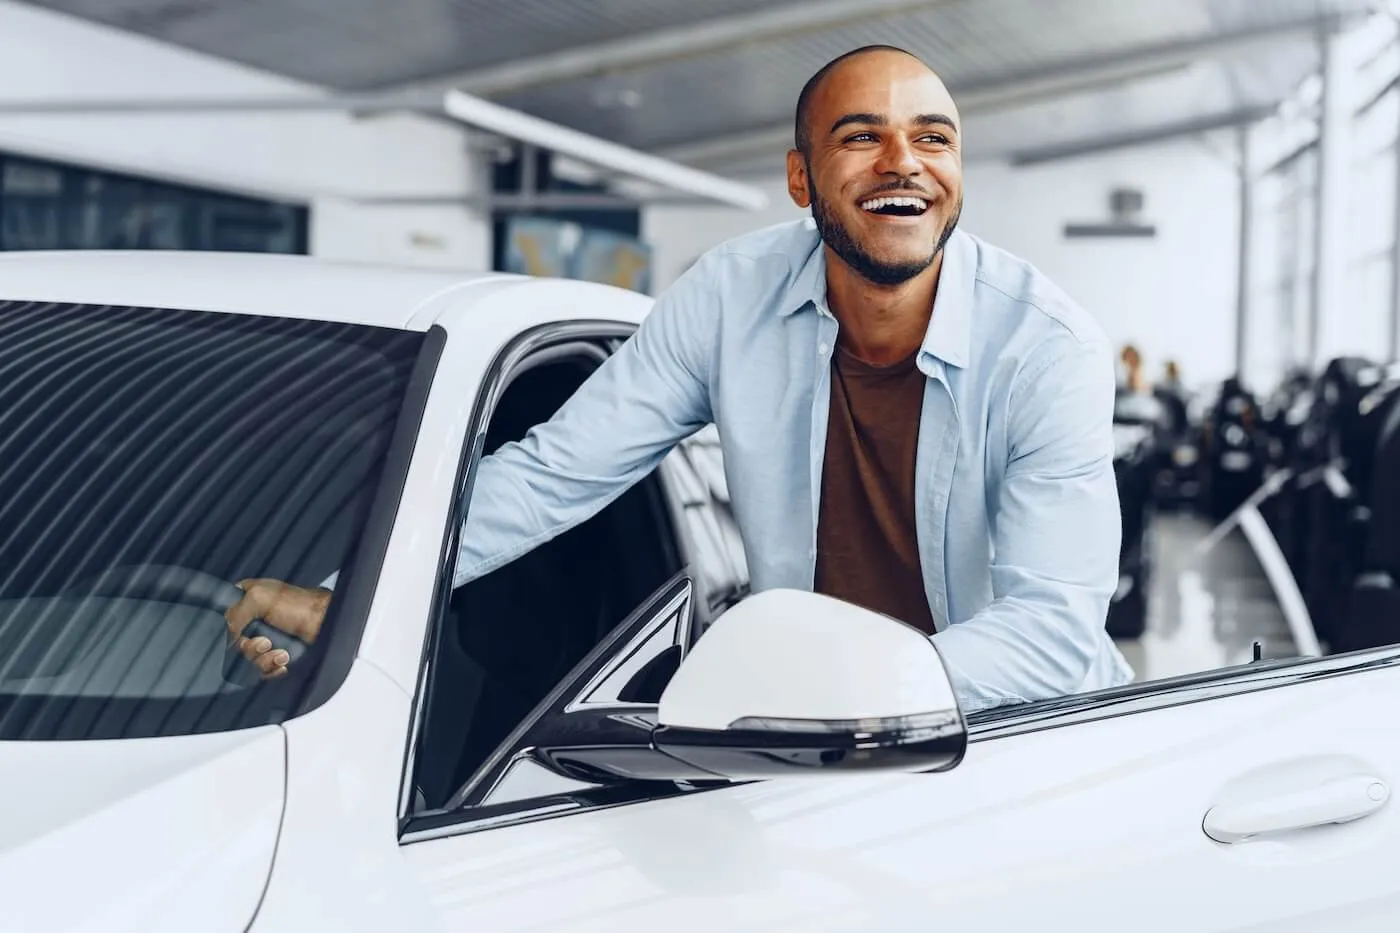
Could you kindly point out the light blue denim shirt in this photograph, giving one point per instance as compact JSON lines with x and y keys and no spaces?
{"x":1018,"y":522}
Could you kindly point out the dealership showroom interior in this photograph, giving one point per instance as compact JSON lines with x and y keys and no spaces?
{"x":714,"y":465}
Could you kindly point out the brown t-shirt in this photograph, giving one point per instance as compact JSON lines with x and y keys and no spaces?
{"x":867,"y":547}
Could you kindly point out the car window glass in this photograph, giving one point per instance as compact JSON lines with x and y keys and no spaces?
{"x":149,"y":459}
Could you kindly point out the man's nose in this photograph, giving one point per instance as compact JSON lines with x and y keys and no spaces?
{"x":897,"y":157}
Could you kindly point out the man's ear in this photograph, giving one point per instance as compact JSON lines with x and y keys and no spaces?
{"x":799,"y":185}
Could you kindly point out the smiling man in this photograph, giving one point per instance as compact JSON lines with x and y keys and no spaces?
{"x":911,"y":419}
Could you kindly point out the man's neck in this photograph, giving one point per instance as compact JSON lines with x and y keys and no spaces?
{"x":881,"y":324}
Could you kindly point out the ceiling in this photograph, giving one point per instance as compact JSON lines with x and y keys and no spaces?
{"x":713,"y":82}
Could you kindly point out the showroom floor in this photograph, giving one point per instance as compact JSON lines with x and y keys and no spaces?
{"x":1205,"y":612}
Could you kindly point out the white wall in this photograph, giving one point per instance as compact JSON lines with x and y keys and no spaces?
{"x":326,"y":159}
{"x":678,"y":235}
{"x":1174,"y":296}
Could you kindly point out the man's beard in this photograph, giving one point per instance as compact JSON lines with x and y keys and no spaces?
{"x":836,"y":236}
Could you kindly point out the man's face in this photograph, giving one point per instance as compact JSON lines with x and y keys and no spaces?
{"x":882,"y":126}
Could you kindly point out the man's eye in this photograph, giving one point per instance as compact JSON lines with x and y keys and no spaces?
{"x":935,"y":139}
{"x":861,"y":138}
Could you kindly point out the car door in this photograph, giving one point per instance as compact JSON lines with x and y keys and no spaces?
{"x":1075,"y":812}
{"x":1092,"y":813}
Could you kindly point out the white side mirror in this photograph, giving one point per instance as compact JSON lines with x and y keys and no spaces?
{"x":790,"y":682}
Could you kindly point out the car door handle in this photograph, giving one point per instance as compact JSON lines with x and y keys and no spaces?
{"x":1337,"y":801}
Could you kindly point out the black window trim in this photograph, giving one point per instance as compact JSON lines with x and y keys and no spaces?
{"x":677,"y":595}
{"x":532,"y":346}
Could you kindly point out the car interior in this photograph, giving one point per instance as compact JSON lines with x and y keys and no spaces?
{"x":508,"y":638}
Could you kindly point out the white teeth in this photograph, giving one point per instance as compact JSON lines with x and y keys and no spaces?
{"x":875,"y":204}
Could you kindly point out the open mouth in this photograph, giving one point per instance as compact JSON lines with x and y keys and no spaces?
{"x":902,"y":206}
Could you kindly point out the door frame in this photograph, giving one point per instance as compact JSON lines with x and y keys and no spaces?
{"x":1219,"y":683}
{"x":541,"y":343}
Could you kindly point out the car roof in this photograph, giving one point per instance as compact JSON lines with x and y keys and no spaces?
{"x":247,"y":283}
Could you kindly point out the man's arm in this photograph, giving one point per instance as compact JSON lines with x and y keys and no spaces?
{"x":647,"y":397}
{"x":1057,"y":532}
{"x":620,"y":424}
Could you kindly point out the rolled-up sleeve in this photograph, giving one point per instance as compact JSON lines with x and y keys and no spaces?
{"x":1057,"y":531}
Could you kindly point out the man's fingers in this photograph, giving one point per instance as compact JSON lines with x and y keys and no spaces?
{"x":242,"y":613}
{"x":272,"y":661}
{"x":259,"y":651}
{"x":253,"y":647}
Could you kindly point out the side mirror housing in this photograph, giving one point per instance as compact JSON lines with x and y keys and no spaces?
{"x":790,"y":682}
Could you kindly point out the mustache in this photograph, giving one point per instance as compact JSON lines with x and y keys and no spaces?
{"x":907,"y":187}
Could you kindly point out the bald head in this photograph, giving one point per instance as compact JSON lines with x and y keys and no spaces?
{"x":860,"y":60}
{"x":873,"y":125}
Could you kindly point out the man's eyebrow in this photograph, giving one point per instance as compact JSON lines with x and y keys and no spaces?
{"x":870,"y":119}
{"x":936,"y":119}
{"x":876,"y":119}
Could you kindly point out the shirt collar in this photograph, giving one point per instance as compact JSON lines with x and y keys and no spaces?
{"x":949,"y":335}
{"x":809,"y":286}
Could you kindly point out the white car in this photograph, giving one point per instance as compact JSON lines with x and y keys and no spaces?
{"x":542,"y":749}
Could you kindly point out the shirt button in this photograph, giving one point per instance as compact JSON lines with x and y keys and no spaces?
{"x":822,"y":348}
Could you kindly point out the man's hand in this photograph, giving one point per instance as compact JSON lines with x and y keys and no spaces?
{"x":297,"y":611}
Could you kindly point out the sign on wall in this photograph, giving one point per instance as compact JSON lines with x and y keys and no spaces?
{"x":542,"y":246}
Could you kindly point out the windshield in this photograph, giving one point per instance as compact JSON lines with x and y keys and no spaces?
{"x":149,"y":459}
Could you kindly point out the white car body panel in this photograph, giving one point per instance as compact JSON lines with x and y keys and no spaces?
{"x":1071,"y":823}
{"x":1084,"y":828}
{"x":267,"y":285}
{"x":141,"y":836}
{"x":338,"y":861}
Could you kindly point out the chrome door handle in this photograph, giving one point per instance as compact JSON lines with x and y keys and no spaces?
{"x":1338,"y":801}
